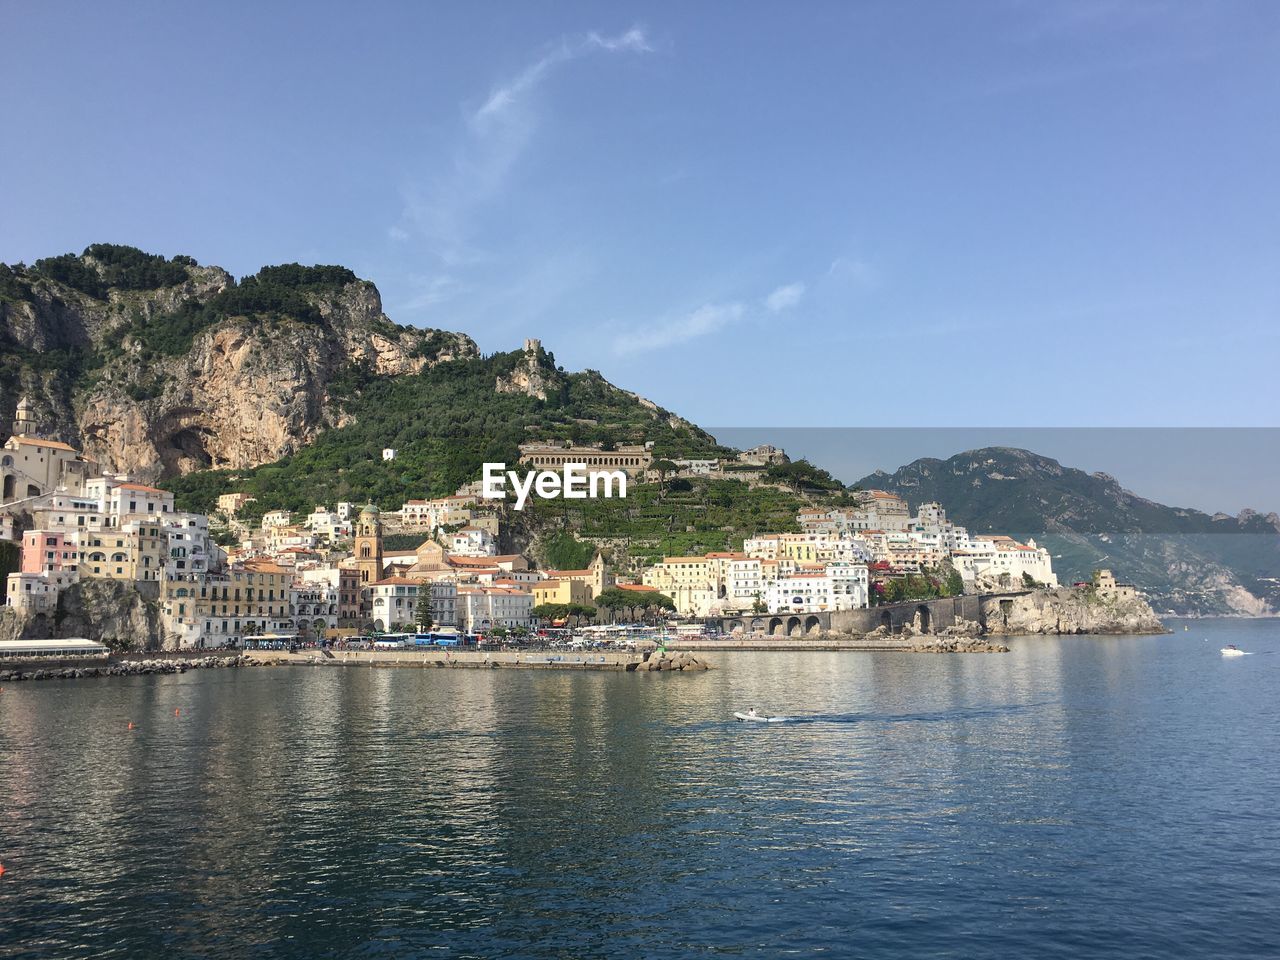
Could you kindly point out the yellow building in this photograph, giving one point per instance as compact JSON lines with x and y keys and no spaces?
{"x":217,"y":609}
{"x":596,"y":576}
{"x":135,"y":553}
{"x":561,"y":591}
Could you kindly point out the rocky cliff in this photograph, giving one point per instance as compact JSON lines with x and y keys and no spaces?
{"x":1068,"y":611}
{"x":107,"y":611}
{"x":199,"y":372}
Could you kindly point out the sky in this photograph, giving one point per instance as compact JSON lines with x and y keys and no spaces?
{"x":1002,"y":212}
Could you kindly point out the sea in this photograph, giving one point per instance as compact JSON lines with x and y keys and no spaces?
{"x":1078,"y":797}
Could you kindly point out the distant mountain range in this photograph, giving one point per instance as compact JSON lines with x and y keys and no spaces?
{"x":1186,"y":560}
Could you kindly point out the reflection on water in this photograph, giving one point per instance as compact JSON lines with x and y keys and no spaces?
{"x":1079,"y":797}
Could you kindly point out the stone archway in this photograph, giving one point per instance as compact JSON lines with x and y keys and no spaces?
{"x":922,"y":618}
{"x":812,"y":625}
{"x":733,"y":626}
{"x":886,"y":620}
{"x":775,"y":626}
{"x":757,"y":625}
{"x":793,"y":627}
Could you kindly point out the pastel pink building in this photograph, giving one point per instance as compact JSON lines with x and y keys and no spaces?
{"x":46,"y":552}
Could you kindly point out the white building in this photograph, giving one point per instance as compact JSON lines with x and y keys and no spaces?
{"x":472,"y":541}
{"x":314,"y":606}
{"x":37,"y":592}
{"x":276,"y":518}
{"x":998,"y":561}
{"x":839,"y":587}
{"x":328,"y":525}
{"x":484,"y":608}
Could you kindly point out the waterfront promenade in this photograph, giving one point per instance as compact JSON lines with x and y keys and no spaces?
{"x":456,"y":659}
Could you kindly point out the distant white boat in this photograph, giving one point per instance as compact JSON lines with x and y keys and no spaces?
{"x":1231,"y":650}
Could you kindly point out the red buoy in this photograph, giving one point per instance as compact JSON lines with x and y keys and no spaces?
{"x":176,"y":712}
{"x":1,"y":869}
{"x":130,"y":725}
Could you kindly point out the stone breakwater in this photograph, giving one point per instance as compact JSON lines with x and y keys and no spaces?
{"x":957,"y":645}
{"x":124,"y":668}
{"x":682,"y":660}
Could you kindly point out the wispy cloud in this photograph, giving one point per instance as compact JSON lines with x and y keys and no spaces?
{"x":784,"y":298}
{"x":439,"y":211}
{"x":504,"y":97}
{"x":707,"y":319}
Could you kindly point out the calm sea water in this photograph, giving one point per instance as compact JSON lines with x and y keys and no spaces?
{"x":1074,"y":798}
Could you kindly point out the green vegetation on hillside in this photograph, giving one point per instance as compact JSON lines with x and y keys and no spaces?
{"x":710,"y":515}
{"x":103,"y":266}
{"x":444,"y":423}
{"x":273,"y":294}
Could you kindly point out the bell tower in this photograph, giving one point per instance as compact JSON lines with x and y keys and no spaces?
{"x":368,"y":545}
{"x":24,"y":419}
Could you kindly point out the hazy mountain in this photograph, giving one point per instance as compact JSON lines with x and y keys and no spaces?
{"x":1188,"y":561}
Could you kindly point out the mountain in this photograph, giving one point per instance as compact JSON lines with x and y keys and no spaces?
{"x":287,"y":384}
{"x":158,"y":367}
{"x":1186,"y":560}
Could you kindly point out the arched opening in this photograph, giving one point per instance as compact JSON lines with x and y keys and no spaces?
{"x":812,"y":625}
{"x":9,"y":486}
{"x":757,"y":625}
{"x":33,"y":490}
{"x":733,"y":626}
{"x":793,"y":627}
{"x":775,"y":626}
{"x":886,"y":620}
{"x":922,"y":618}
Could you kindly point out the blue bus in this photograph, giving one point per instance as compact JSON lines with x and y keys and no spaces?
{"x":435,"y":639}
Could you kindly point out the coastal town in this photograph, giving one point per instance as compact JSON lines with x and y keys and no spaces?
{"x":329,"y":574}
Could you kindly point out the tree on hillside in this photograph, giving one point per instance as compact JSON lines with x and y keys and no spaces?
{"x":664,"y":467}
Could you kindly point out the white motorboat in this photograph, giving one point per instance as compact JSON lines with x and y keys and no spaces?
{"x":750,"y":716}
{"x":1231,"y":650}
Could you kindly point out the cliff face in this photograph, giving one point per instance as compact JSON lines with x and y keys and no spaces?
{"x":106,"y":611}
{"x":244,"y":385}
{"x":1068,"y":611}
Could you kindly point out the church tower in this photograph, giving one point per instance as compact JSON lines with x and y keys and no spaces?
{"x":24,"y":420}
{"x":368,"y":545}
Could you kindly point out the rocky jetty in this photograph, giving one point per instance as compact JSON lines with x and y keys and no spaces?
{"x":665,"y":662}
{"x":125,"y":668}
{"x":946,"y":644}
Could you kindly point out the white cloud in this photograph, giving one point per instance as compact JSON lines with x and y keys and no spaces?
{"x":784,"y":298}
{"x":707,"y":319}
{"x":495,"y":136}
{"x":509,"y":94}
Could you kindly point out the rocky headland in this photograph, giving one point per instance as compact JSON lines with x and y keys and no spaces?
{"x":1069,"y":610}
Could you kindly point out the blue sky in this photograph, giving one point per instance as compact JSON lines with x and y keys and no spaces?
{"x":820,"y":214}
